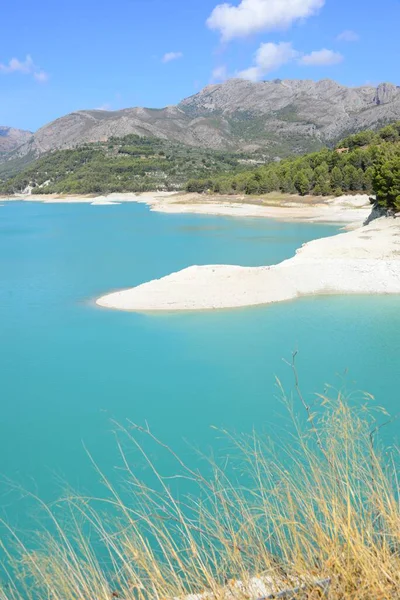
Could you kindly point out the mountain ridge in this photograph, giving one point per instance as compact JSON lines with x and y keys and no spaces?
{"x":11,"y":138}
{"x":281,"y":116}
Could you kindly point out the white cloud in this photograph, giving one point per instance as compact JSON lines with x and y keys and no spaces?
{"x":320,"y":58}
{"x":348,"y":36}
{"x":41,"y":76}
{"x":269,"y":57}
{"x":252,"y":74}
{"x":219,"y":74}
{"x":18,"y":66}
{"x":106,"y":106}
{"x":255,"y":16}
{"x":25,"y":67}
{"x":171,"y":56}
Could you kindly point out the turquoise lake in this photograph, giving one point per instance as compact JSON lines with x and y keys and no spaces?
{"x":69,"y":368}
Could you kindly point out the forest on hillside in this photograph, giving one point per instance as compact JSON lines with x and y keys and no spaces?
{"x":366,"y":162}
{"x":352,"y":166}
{"x":128,"y":164}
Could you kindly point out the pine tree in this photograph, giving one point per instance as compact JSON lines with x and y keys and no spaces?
{"x":302,"y":183}
{"x":336,"y":179}
{"x":252,"y":186}
{"x":323,"y":185}
{"x":386,"y":179}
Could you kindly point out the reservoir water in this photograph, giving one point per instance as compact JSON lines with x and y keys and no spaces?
{"x":68,"y":368}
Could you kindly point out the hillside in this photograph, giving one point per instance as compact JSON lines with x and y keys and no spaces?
{"x":350,"y":167}
{"x":129,"y":164}
{"x":135,"y":164}
{"x":281,"y":116}
{"x":11,"y":138}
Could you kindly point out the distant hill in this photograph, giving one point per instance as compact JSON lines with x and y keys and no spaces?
{"x":281,"y":116}
{"x":11,"y":138}
{"x":136,"y":164}
{"x":131,"y":163}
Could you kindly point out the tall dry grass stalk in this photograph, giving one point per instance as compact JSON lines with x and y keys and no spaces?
{"x":323,"y":509}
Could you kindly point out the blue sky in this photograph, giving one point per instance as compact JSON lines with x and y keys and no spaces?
{"x":57,"y":57}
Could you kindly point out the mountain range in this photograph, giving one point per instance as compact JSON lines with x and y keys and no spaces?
{"x":279,"y":116}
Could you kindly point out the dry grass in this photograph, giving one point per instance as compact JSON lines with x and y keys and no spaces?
{"x":324,"y":510}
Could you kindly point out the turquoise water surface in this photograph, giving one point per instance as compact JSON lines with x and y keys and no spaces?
{"x":68,"y":368}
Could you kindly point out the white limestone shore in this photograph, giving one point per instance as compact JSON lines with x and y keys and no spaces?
{"x":345,"y":209}
{"x":363,"y":261}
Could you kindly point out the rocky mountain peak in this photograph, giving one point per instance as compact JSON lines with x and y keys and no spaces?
{"x":280,"y":117}
{"x":385,"y":93}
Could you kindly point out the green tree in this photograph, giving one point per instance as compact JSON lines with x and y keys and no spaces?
{"x":351,"y":179}
{"x":368,"y":179}
{"x":358,"y":181}
{"x":225,"y":186}
{"x":390,"y":133}
{"x":196,"y":185}
{"x":336,"y":179}
{"x":241,"y":181}
{"x":364,"y":138}
{"x":302,"y":183}
{"x":269,"y":183}
{"x":323,"y":185}
{"x":386,"y":178}
{"x":252,"y":186}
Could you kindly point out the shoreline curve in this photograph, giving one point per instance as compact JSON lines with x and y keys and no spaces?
{"x":362,"y":261}
{"x":353,"y":209}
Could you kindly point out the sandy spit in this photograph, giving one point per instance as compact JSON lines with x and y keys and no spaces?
{"x":363,"y":261}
